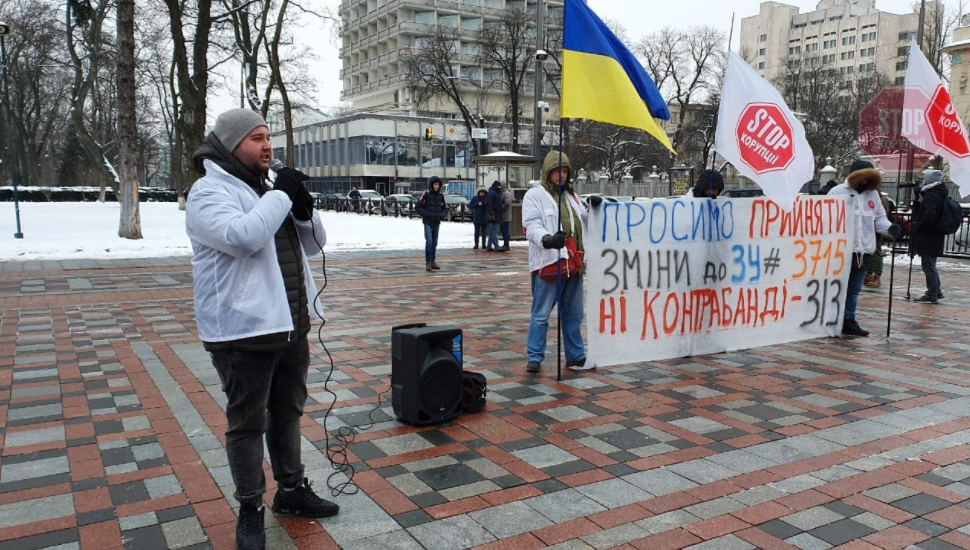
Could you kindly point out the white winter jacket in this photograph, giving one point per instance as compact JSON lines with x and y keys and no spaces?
{"x":870,"y":217}
{"x":540,"y":217}
{"x":239,"y":289}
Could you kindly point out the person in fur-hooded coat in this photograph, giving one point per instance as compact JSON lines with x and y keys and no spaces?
{"x":862,"y":187}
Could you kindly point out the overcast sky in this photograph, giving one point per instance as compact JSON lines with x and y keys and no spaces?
{"x":640,"y":17}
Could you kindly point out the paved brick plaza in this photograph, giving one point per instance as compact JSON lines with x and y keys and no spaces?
{"x":112,"y":430}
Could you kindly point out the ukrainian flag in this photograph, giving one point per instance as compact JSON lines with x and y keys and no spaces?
{"x":603,"y":81}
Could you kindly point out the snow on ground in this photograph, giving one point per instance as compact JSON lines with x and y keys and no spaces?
{"x":70,"y":230}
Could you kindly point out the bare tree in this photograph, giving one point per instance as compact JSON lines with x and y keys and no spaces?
{"x":91,"y":59}
{"x":686,"y":66}
{"x":939,"y":22}
{"x":507,"y":45}
{"x":431,"y":70}
{"x":129,"y":227}
{"x":40,"y":87}
{"x":191,"y":77}
{"x":828,"y":101}
{"x":613,"y":150}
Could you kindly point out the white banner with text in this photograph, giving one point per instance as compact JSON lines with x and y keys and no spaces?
{"x":678,"y":277}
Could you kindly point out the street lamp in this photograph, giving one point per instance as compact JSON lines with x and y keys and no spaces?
{"x":14,"y":176}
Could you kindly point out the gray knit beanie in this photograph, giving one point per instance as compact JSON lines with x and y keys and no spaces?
{"x":234,"y":125}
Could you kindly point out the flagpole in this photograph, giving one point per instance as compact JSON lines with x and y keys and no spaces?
{"x":559,"y":284}
{"x":710,"y":185}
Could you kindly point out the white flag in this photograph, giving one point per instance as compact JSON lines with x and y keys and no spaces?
{"x":759,"y":135}
{"x":936,"y":126}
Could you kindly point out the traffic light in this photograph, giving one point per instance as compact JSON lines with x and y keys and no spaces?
{"x":428,"y":134}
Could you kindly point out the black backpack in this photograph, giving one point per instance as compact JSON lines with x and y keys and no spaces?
{"x":951,"y":217}
{"x":473,"y":386}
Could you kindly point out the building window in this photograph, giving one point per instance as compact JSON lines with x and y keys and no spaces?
{"x":762,"y":51}
{"x":813,"y":47}
{"x":848,"y":40}
{"x":900,"y":80}
{"x":761,"y":65}
{"x":902,"y":65}
{"x":426,"y":17}
{"x":907,"y":35}
{"x":763,"y":38}
{"x":956,"y":58}
{"x":829,"y":44}
{"x":847,"y":55}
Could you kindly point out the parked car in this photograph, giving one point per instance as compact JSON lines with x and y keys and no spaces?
{"x":370,"y":201}
{"x":459,"y":209}
{"x":740,"y":193}
{"x":399,"y":205}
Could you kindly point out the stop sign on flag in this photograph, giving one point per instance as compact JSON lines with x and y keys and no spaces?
{"x":759,"y":135}
{"x":945,"y":127}
{"x":943,"y":132}
{"x":765,"y":138}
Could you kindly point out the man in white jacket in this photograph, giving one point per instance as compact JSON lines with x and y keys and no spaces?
{"x":254,"y":298}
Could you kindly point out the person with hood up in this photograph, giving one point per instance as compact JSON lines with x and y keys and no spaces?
{"x":706,"y":186}
{"x":479,"y":218}
{"x":506,"y":218}
{"x":829,"y":185}
{"x":432,"y":208}
{"x":927,"y":239}
{"x":254,"y":300}
{"x":493,"y":211}
{"x":862,"y":186}
{"x":551,"y":212}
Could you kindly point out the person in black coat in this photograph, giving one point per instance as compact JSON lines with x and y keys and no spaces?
{"x":432,"y":208}
{"x":479,"y":217}
{"x":493,"y":211}
{"x":927,"y":239}
{"x":824,"y":190}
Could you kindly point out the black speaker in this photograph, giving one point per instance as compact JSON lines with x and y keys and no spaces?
{"x":426,"y":370}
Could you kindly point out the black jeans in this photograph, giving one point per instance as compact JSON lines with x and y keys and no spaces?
{"x":266,"y":392}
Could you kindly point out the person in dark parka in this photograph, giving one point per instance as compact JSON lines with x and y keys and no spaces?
{"x":927,"y":239}
{"x":493,"y":211}
{"x":708,"y":186}
{"x":479,"y":217}
{"x":432,"y":208}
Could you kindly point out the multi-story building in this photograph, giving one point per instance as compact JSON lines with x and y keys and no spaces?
{"x":959,"y":51}
{"x":389,"y":143}
{"x":851,"y":36}
{"x":377,"y":34}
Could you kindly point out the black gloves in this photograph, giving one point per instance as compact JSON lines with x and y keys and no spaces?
{"x":302,"y":208}
{"x":558,"y":240}
{"x":290,"y":181}
{"x":895,"y":231}
{"x":595,"y":200}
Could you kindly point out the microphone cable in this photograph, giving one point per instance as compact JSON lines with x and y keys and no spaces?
{"x":337,"y":450}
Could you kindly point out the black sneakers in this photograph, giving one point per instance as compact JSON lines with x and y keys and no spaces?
{"x":926,"y":299}
{"x":302,"y":501}
{"x":851,"y":328}
{"x":250,"y":534}
{"x":533,"y":366}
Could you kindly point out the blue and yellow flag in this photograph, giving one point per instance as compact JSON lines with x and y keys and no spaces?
{"x":603,"y":81}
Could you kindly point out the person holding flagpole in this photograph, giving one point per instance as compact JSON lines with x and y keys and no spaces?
{"x":862,"y":186}
{"x":551,"y":214}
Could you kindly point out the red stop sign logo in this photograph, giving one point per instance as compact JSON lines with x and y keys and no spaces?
{"x":946,"y":130}
{"x":765,"y":138}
